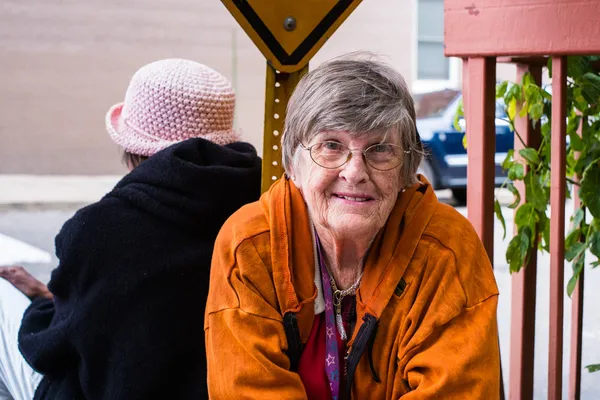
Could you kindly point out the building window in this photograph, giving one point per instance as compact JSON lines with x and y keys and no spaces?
{"x":431,"y":63}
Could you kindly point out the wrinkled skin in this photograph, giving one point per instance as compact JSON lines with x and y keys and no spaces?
{"x":348,"y":205}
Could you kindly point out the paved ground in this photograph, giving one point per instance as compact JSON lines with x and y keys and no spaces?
{"x":31,"y":215}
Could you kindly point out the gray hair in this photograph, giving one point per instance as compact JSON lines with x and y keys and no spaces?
{"x":355,"y":94}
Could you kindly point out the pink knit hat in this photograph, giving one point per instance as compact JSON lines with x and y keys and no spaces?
{"x":169,"y":101}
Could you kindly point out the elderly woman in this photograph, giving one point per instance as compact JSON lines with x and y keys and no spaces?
{"x":348,"y":279}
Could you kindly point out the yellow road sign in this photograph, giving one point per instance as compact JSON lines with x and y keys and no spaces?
{"x":290,"y":32}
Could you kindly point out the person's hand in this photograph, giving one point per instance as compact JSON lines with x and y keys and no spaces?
{"x":25,"y":282}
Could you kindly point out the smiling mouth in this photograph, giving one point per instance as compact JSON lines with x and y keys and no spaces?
{"x":359,"y":199}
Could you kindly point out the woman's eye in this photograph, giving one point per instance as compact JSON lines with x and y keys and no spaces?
{"x":381,"y":148}
{"x":332,"y":146}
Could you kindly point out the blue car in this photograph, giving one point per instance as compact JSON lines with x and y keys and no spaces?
{"x":446,"y":163}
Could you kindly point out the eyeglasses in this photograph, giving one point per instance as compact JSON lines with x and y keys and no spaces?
{"x":331,"y":155}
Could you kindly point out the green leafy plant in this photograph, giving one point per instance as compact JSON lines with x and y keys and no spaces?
{"x":533,"y":168}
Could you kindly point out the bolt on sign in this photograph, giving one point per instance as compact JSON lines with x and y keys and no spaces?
{"x":288,"y":33}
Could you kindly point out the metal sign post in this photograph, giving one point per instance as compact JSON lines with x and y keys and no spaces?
{"x":280,"y":86}
{"x":288,"y":33}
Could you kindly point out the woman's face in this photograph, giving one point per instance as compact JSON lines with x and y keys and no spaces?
{"x":354,"y":200}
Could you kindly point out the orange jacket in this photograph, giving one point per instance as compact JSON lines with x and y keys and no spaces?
{"x":426,"y":306}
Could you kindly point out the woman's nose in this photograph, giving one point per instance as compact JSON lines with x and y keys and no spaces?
{"x":355,"y":170}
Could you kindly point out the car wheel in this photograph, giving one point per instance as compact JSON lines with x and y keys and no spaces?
{"x":426,"y":170}
{"x":460,"y":195}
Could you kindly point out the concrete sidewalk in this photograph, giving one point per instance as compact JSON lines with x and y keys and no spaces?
{"x":53,"y":190}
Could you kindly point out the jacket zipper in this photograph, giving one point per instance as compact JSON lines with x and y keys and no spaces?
{"x":353,"y":356}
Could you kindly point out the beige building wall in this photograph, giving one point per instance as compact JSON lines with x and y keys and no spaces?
{"x":63,"y":63}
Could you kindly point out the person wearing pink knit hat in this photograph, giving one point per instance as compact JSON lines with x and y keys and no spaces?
{"x":122,"y":316}
{"x":170,"y":101}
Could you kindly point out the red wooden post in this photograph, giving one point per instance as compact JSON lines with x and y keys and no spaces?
{"x":522,"y":334}
{"x":481,"y":144}
{"x":479,"y":93}
{"x":557,"y":226}
{"x":576,"y":320}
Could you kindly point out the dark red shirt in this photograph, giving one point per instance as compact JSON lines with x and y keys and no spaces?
{"x":311,"y":367}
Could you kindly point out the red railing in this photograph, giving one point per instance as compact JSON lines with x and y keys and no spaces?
{"x":483,"y":32}
{"x":479,"y":99}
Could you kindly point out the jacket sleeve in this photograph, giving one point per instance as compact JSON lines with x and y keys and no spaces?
{"x":459,"y":360}
{"x":245,"y":338}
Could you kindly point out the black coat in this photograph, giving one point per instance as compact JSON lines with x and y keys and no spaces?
{"x":127,"y":321}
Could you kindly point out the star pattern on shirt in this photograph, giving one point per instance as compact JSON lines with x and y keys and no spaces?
{"x":333,"y":375}
{"x":330,"y":359}
{"x":328,"y":305}
{"x":329,"y":332}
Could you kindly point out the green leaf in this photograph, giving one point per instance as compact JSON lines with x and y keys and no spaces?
{"x":572,"y":237}
{"x":594,"y":241}
{"x":584,"y":161}
{"x":511,"y":111}
{"x":517,"y":92}
{"x":531,"y":155}
{"x":508,"y":160}
{"x":516,"y":253}
{"x":501,"y":89}
{"x":460,"y":113}
{"x":516,"y":172}
{"x":524,"y":109}
{"x":577,"y":217}
{"x":527,"y":79}
{"x":526,"y":216}
{"x":577,"y":268}
{"x":576,"y":141}
{"x":589,"y":192}
{"x":576,"y":66}
{"x":593,"y":367}
{"x":543,"y":232}
{"x":573,"y":122}
{"x":498,"y":211}
{"x":514,"y":256}
{"x":571,"y":285}
{"x":575,"y":251}
{"x":536,"y":111}
{"x":547,"y":96}
{"x":534,"y":192}
{"x":591,"y":87}
{"x":516,"y":193}
{"x":580,"y":102}
{"x":570,"y":170}
{"x":546,"y":236}
{"x":545,"y":129}
{"x":455,"y":124}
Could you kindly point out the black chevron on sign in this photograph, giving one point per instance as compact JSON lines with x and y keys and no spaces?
{"x":269,"y":39}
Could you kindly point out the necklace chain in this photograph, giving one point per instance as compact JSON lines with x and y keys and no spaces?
{"x":338,"y":295}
